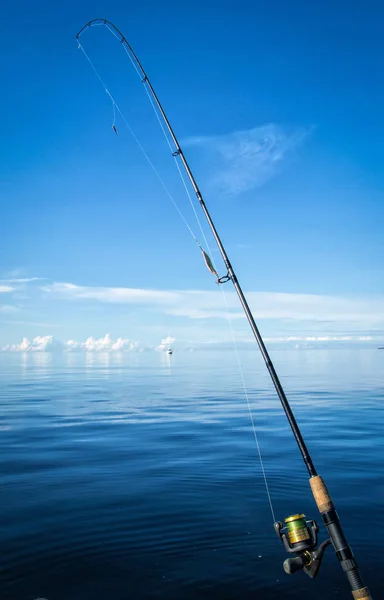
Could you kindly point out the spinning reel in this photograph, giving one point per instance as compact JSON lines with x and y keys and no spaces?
{"x":300,"y":537}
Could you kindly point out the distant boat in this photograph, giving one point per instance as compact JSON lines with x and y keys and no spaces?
{"x":169,"y":350}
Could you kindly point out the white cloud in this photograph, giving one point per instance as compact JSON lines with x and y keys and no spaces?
{"x":165,"y":343}
{"x":50,"y":344}
{"x":45,"y":343}
{"x":72,"y":345}
{"x":106,"y":344}
{"x":23,"y":279}
{"x":5,"y":289}
{"x":321,"y":338}
{"x":103,"y":344}
{"x":199,"y":304}
{"x":114,"y":295}
{"x":194,"y":312}
{"x":44,"y":324}
{"x":7,"y":308}
{"x":245,"y":159}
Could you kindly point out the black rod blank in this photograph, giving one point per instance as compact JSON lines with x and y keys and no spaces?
{"x":330,"y":517}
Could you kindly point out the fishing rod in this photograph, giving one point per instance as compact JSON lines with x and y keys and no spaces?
{"x":299,"y":536}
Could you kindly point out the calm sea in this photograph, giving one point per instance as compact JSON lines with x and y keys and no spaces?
{"x":134,"y":476}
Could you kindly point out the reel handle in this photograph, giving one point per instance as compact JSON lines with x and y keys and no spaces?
{"x":292,"y":565}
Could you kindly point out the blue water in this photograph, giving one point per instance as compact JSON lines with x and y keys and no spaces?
{"x":137,"y":475}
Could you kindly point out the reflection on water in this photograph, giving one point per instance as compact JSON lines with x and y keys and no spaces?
{"x":38,"y":361}
{"x":167,"y":361}
{"x":101,"y":359}
{"x":136,"y":475}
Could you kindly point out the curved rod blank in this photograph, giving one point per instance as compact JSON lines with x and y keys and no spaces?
{"x":288,"y":411}
{"x":146,"y":81}
{"x":123,"y":39}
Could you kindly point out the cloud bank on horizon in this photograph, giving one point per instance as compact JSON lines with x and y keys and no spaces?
{"x":194,"y":316}
{"x":48,"y":343}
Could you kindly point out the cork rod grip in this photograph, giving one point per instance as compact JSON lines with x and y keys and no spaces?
{"x":361,"y":594}
{"x":321,"y":495}
{"x":340,"y":544}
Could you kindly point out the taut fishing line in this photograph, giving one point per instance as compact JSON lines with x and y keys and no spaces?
{"x":175,"y":156}
{"x":228,"y":315}
{"x":157,"y":174}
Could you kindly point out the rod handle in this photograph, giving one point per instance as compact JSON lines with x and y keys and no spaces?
{"x":321,"y":494}
{"x":336,"y":535}
{"x":361,"y":594}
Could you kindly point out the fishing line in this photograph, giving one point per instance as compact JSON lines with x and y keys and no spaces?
{"x":117,"y":108}
{"x":230,"y":324}
{"x":229,"y":320}
{"x":114,"y":112}
{"x":245,"y":389}
{"x":160,"y":122}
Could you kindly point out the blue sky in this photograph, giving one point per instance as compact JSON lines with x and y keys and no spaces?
{"x":279,"y":109}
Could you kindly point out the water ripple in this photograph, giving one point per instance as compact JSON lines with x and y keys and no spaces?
{"x":142,"y":480}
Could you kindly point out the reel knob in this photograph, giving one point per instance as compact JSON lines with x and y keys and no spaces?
{"x":292,"y":565}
